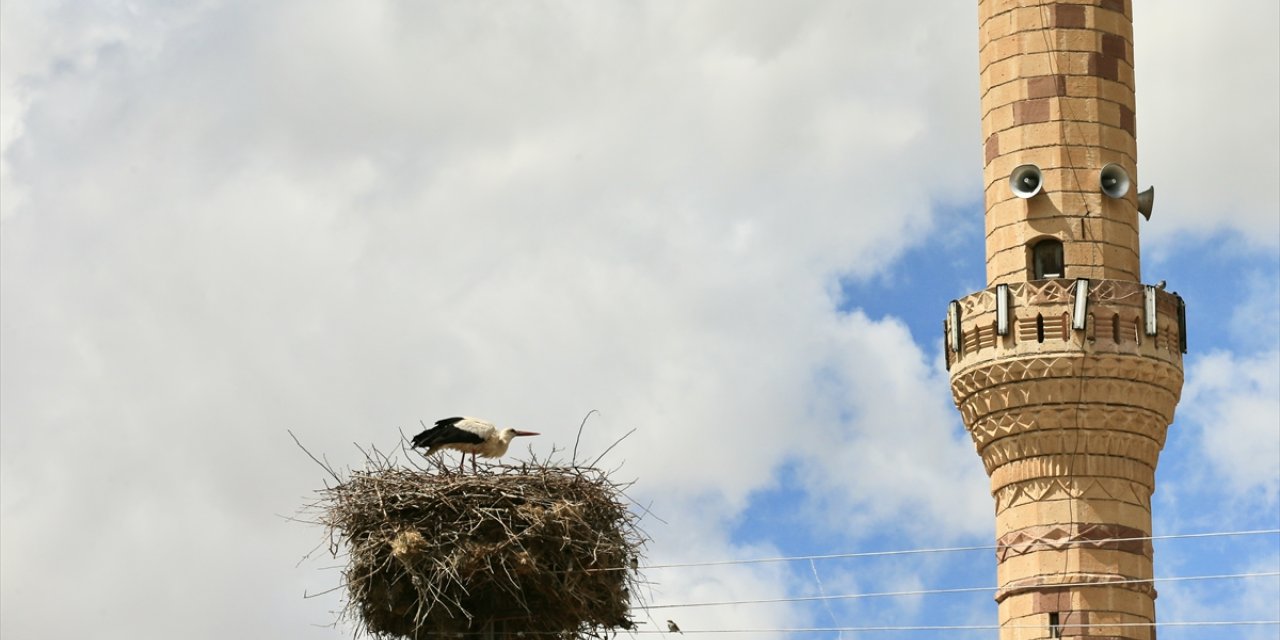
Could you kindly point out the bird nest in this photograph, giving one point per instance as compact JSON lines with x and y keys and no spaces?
{"x":539,"y":549}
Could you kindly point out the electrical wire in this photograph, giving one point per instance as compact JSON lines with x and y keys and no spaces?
{"x":922,"y":592}
{"x":900,"y":552}
{"x":983,"y":627}
{"x":958,"y":627}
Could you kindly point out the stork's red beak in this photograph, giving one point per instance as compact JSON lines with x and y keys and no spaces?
{"x":527,"y":433}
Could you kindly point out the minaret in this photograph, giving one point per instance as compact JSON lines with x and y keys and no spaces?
{"x":1067,"y":368}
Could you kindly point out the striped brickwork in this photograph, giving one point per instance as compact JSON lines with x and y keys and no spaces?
{"x":1058,"y":92}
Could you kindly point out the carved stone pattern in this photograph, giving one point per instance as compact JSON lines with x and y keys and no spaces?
{"x":1011,"y":423}
{"x":1047,"y":489}
{"x":1071,"y":441}
{"x":1140,"y":394}
{"x":1063,"y":365}
{"x":1062,"y":291}
{"x":1012,"y":370}
{"x":1045,"y":292}
{"x":1077,"y":581}
{"x":1058,"y":537}
{"x":1062,"y":466}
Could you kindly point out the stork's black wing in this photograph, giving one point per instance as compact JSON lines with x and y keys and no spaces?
{"x":446,"y":433}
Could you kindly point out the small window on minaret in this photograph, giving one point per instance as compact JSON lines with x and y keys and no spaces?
{"x":1046,"y":259}
{"x":1055,"y":626}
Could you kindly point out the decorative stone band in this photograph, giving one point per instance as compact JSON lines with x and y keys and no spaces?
{"x":1137,"y":422}
{"x":1040,"y":323}
{"x":1058,"y":537}
{"x":1073,"y":466}
{"x":1064,"y":365}
{"x":1156,"y":396}
{"x":1049,"y":441}
{"x":1067,"y":581}
{"x":1050,"y":489}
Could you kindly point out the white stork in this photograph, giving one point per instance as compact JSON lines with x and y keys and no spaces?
{"x":468,"y":435}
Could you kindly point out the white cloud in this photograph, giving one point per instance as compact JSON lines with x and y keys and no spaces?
{"x":1233,"y":400}
{"x":1209,"y":118}
{"x":902,"y":456}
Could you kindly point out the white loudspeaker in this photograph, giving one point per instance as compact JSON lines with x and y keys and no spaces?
{"x":1146,"y":199}
{"x":1114,"y":180}
{"x":1026,"y":181}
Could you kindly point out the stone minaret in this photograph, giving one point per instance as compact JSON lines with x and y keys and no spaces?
{"x":1066,"y":368}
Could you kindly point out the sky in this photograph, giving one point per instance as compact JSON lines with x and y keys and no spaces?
{"x":730,"y":226}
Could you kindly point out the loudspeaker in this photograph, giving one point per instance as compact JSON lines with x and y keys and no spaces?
{"x":1026,"y":181}
{"x":1146,"y":199}
{"x":1114,"y":180}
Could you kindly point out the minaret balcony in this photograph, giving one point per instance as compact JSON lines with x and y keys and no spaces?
{"x":1107,"y":354}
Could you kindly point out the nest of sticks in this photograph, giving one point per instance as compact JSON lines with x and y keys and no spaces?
{"x":539,"y":549}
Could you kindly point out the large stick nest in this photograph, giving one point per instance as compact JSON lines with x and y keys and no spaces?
{"x":535,"y":548}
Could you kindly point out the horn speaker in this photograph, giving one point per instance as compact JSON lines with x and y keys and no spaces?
{"x":1114,"y":181}
{"x":1026,"y":181}
{"x":1146,"y":199}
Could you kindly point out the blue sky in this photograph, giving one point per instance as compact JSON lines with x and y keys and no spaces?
{"x":732,"y":227}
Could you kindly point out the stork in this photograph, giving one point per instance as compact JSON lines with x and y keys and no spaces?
{"x":468,"y":435}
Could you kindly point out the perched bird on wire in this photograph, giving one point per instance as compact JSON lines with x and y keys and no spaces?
{"x":468,"y":435}
{"x":673,"y":627}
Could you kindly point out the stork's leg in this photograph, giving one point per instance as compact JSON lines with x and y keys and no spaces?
{"x":461,"y":460}
{"x":473,"y":464}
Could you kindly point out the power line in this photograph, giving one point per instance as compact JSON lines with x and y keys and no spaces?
{"x":900,"y":552}
{"x":921,"y":592}
{"x":984,"y":627}
{"x":847,"y":596}
{"x":959,"y":627}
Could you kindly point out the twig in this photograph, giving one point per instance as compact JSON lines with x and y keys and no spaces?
{"x":578,"y":439}
{"x":313,"y":458}
{"x":615,"y":443}
{"x":320,"y":593}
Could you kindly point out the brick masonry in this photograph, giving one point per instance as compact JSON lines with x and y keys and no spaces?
{"x":1058,"y":75}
